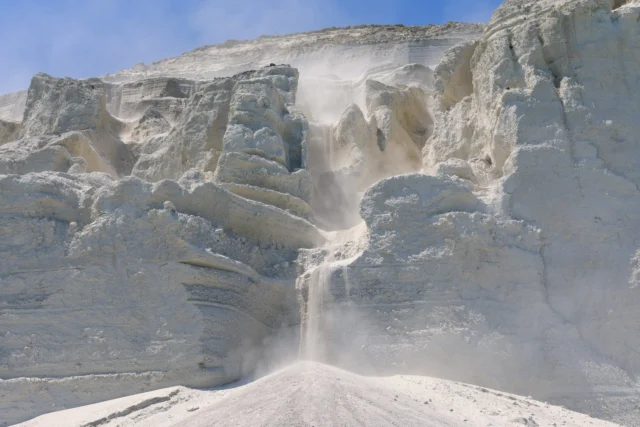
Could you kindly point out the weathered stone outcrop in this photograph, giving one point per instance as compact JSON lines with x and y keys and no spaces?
{"x":249,"y":113}
{"x":152,"y":123}
{"x":166,"y":265}
{"x":94,"y":152}
{"x":163,"y":94}
{"x":404,"y":122}
{"x":67,"y":119}
{"x":55,"y":106}
{"x":551,"y":111}
{"x":113,"y":279}
{"x":534,"y":290}
{"x":378,"y":136}
{"x":249,"y":169}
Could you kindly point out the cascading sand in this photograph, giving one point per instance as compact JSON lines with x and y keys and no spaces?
{"x":313,"y":341}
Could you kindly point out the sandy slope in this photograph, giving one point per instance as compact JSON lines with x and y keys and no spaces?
{"x":310,"y":394}
{"x":345,"y":52}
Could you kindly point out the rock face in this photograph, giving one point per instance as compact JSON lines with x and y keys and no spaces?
{"x":476,"y":222}
{"x":12,"y":106}
{"x":151,"y":221}
{"x":66,"y":119}
{"x":515,"y":264}
{"x":250,"y":113}
{"x":564,"y":156}
{"x":332,"y":62}
{"x":111,"y":284}
{"x":380,"y":135}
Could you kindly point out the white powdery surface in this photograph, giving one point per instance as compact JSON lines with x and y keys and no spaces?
{"x":311,"y":394}
{"x":346,"y":52}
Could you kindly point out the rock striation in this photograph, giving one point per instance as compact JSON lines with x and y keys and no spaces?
{"x":128,"y":266}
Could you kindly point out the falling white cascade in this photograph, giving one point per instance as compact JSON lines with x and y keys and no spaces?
{"x":313,"y":343}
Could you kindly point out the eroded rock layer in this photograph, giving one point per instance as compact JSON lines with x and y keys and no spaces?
{"x":131,"y":259}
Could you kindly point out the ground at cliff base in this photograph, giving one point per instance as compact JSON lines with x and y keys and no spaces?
{"x":311,"y":394}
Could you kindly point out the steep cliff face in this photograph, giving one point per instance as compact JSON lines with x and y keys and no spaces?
{"x":515,"y":264}
{"x":151,"y":220}
{"x":112,"y":284}
{"x":477,"y":221}
{"x":553,"y":107}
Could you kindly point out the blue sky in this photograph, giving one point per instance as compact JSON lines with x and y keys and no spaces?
{"x":86,"y":38}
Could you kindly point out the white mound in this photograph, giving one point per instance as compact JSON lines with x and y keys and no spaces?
{"x":311,"y":394}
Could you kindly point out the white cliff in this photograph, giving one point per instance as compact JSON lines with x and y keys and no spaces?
{"x":456,"y":201}
{"x":112,"y":284}
{"x":514,"y":265}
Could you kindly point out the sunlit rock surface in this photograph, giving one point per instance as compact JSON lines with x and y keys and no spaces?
{"x":118,"y":285}
{"x":457,"y":201}
{"x":531,"y":288}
